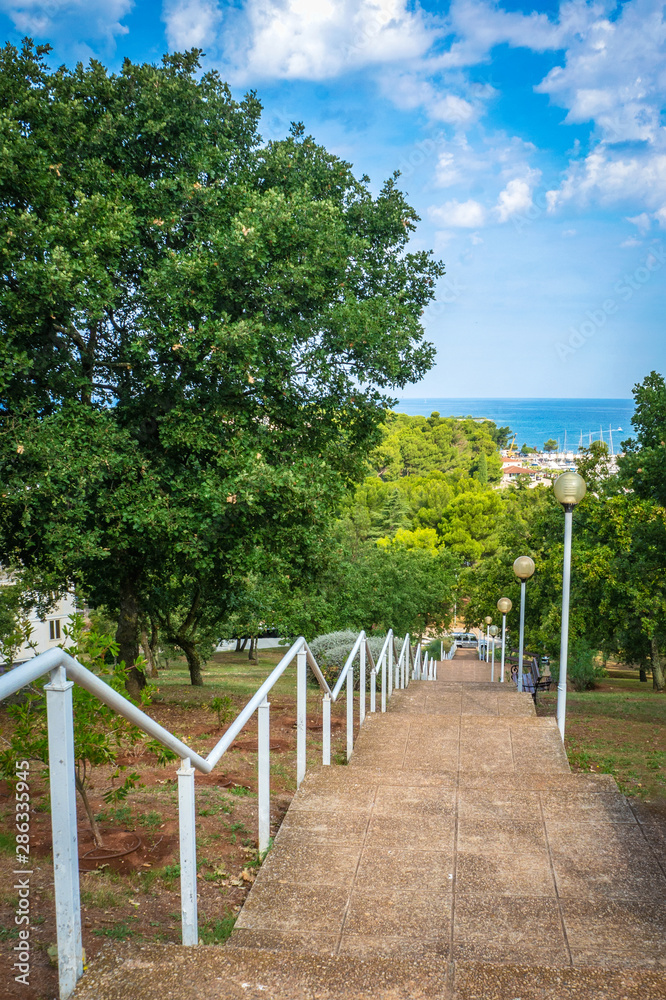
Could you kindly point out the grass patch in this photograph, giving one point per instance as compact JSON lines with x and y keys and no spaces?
{"x":217,"y":931}
{"x":118,"y":932}
{"x":99,"y":897}
{"x":619,"y":730}
{"x":7,"y":843}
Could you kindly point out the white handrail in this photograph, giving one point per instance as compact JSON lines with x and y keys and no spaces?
{"x":61,"y":666}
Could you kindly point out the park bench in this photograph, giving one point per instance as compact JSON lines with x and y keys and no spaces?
{"x":532,"y":679}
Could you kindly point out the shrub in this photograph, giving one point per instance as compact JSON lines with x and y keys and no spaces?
{"x":582,"y":670}
{"x":331,"y":652}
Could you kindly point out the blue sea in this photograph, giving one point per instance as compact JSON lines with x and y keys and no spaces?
{"x":570,"y":422}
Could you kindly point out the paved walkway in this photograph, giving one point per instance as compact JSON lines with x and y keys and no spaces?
{"x":455,"y":857}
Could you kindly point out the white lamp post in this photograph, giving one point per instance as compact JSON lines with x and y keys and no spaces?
{"x":569,"y":488}
{"x":493,"y":632}
{"x":488,"y":621}
{"x":524,"y":568}
{"x":504,"y":605}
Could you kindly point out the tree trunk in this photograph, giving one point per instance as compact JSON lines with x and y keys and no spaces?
{"x":193,"y":661}
{"x":151,"y":669}
{"x":642,"y":672}
{"x":238,"y":645}
{"x":252,"y":655}
{"x":80,"y":787}
{"x":127,"y":637}
{"x":658,"y":682}
{"x":243,"y":644}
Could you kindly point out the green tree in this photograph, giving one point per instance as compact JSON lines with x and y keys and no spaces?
{"x":550,"y":445}
{"x":198,"y":331}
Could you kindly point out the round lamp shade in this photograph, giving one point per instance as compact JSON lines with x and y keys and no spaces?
{"x":524,"y":567}
{"x":569,"y":488}
{"x":488,"y":620}
{"x":494,"y":630}
{"x":504,"y":605}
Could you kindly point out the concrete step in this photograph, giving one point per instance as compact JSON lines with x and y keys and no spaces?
{"x":169,"y":972}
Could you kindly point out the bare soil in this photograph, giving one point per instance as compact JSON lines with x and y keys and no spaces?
{"x":131,"y":890}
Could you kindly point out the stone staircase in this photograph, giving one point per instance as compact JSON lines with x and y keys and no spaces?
{"x":456,"y":857}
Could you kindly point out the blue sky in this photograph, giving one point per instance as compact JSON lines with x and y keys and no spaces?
{"x":531,"y":140}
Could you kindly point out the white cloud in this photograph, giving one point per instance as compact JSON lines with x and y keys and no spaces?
{"x":90,"y":19}
{"x":631,"y":242}
{"x":615,"y":74}
{"x":464,"y":215}
{"x":302,"y":39}
{"x":191,"y":23}
{"x":568,"y":233}
{"x":610,"y":176}
{"x":516,"y":198}
{"x":642,"y":222}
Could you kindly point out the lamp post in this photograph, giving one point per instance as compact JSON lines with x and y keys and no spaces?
{"x":504,"y":605}
{"x":493,"y":632}
{"x":488,"y":621}
{"x":569,"y":488}
{"x":524,"y":568}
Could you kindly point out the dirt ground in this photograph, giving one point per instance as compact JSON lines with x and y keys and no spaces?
{"x":132,"y":888}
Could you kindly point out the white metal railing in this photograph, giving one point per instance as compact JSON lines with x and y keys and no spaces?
{"x":64,"y":670}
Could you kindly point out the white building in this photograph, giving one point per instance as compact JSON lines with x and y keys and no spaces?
{"x":46,"y":632}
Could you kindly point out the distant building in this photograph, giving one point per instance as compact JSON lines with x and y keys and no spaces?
{"x":46,"y":632}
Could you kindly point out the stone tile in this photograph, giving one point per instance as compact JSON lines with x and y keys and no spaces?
{"x":504,"y":874}
{"x":405,"y":869}
{"x":501,"y":836}
{"x":399,"y":913}
{"x":616,"y":932}
{"x":503,"y":929}
{"x":635,"y":876}
{"x":294,"y":908}
{"x":417,"y":949}
{"x":477,"y":981}
{"x":310,"y":942}
{"x":313,"y":825}
{"x":593,"y":844}
{"x":499,"y":805}
{"x":312,"y":864}
{"x":408,"y":802}
{"x":427,"y":835}
{"x":585,"y":807}
{"x":342,"y":800}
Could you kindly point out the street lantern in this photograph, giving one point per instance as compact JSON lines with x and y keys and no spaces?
{"x":504,"y":605}
{"x":569,"y":489}
{"x":488,"y":621}
{"x":493,"y":632}
{"x":524,"y":568}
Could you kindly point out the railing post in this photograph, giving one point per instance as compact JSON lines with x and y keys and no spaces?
{"x":373,"y":690}
{"x":389,"y":665}
{"x":384,"y":682}
{"x":63,"y":820}
{"x":326,"y":729}
{"x":301,"y":715}
{"x":188,"y":854}
{"x":264,"y":774}
{"x":361,"y":690}
{"x":350,"y":711}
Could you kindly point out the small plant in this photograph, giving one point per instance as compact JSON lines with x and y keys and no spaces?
{"x":119,"y":932}
{"x":241,"y":790}
{"x":582,"y":669}
{"x":152,"y":820}
{"x":223,"y":706}
{"x":217,"y":931}
{"x":170,"y":875}
{"x":100,"y":734}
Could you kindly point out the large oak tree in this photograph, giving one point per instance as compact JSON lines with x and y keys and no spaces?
{"x":199,"y":333}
